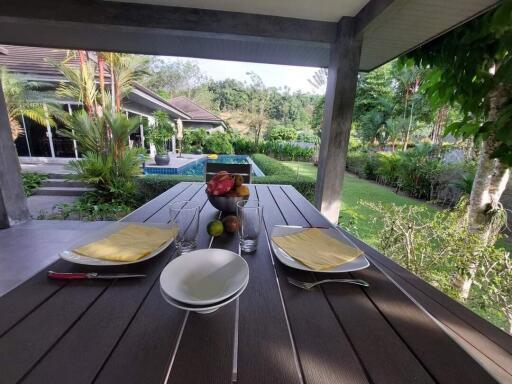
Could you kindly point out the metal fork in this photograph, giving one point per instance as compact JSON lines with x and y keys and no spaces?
{"x":306,"y":285}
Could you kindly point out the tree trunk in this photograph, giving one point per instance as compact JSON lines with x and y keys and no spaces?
{"x":490,"y":181}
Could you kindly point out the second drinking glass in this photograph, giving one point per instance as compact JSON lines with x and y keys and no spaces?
{"x":185,"y":216}
{"x":250,"y":213}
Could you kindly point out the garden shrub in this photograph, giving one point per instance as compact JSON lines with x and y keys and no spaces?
{"x":243,"y":146}
{"x":282,"y":133}
{"x":150,"y":186}
{"x":32,"y":181}
{"x":218,"y":142}
{"x":193,"y":139}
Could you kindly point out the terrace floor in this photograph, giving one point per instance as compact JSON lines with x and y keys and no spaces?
{"x":29,"y":247}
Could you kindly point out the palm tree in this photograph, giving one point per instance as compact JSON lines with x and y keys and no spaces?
{"x":124,"y":70}
{"x":82,"y":82}
{"x":21,"y":100}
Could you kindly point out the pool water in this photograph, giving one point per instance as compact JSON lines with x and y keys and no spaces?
{"x":197,"y":168}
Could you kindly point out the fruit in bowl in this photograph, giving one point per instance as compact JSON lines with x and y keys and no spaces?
{"x":224,"y":190}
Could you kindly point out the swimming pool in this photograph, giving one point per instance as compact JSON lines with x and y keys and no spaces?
{"x":196,"y":168}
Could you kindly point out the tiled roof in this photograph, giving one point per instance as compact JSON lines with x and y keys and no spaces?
{"x":195,"y":111}
{"x":31,"y":60}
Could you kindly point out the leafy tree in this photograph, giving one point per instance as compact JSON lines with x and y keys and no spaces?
{"x":174,"y":78}
{"x":471,"y":67}
{"x":259,"y":100}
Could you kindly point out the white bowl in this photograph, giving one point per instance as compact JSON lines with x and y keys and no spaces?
{"x":205,"y":276}
{"x":209,"y":308}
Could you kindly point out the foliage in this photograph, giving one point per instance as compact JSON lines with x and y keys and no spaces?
{"x":194,"y":139}
{"x":81,"y":83}
{"x":218,"y":142}
{"x":281,"y":132}
{"x":441,"y":248}
{"x":174,"y":78}
{"x":94,"y":206}
{"x":308,"y":137}
{"x":419,"y":171}
{"x":469,"y":66}
{"x":161,"y":132}
{"x":270,"y":166}
{"x":22,"y":101}
{"x":244,"y":146}
{"x":32,"y":181}
{"x":108,"y":163}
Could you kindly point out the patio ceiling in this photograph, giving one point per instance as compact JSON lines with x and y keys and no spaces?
{"x":284,"y":32}
{"x":321,"y":10}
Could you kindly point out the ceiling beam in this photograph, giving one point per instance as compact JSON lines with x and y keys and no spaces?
{"x":96,"y":12}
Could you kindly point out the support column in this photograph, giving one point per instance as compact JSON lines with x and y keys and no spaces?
{"x":14,"y":201}
{"x":339,"y":105}
{"x":49,"y":130}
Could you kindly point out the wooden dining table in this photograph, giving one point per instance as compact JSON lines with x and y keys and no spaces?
{"x":123,"y":331}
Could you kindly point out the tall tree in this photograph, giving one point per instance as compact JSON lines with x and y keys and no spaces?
{"x":472,"y":68}
{"x":174,"y":78}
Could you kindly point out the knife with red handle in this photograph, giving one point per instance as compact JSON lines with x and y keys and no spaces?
{"x":90,"y":275}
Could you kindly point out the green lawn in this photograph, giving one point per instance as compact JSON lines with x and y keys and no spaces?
{"x":355,"y":217}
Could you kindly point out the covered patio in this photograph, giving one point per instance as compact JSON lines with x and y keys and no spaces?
{"x":400,"y":330}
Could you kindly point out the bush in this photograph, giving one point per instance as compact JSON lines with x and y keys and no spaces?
{"x":282,"y":133}
{"x":32,"y":181}
{"x":243,"y":146}
{"x":94,"y":206}
{"x":218,"y":142}
{"x":193,"y":139}
{"x":148,"y":187}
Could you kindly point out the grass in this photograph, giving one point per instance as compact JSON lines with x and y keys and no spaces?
{"x":357,"y":218}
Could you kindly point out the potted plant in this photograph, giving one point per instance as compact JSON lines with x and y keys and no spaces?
{"x":159,"y":134}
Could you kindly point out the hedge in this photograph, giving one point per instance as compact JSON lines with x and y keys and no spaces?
{"x":270,"y":166}
{"x":149,"y":187}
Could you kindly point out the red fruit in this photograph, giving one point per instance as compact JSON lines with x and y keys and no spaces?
{"x":220,"y":183}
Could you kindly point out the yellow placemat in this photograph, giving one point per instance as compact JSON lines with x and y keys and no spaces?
{"x":316,"y":249}
{"x":130,"y":243}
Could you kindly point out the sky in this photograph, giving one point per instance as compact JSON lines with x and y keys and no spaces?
{"x":272,"y":75}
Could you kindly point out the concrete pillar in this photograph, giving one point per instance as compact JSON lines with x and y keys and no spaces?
{"x":339,"y":105}
{"x":14,"y":204}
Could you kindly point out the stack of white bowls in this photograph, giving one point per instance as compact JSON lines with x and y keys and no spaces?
{"x":204,"y":280}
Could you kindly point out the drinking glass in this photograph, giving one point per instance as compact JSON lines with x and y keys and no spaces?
{"x":185,"y":216}
{"x":250,"y":213}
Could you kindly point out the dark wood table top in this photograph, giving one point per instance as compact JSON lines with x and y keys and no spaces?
{"x":123,"y":331}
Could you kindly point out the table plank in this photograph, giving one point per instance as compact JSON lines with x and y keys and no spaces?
{"x":383,"y":354}
{"x":24,"y":345}
{"x":85,"y":346}
{"x":325,"y":353}
{"x":265,"y":350}
{"x":421,"y":334}
{"x":155,"y":330}
{"x":205,"y":354}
